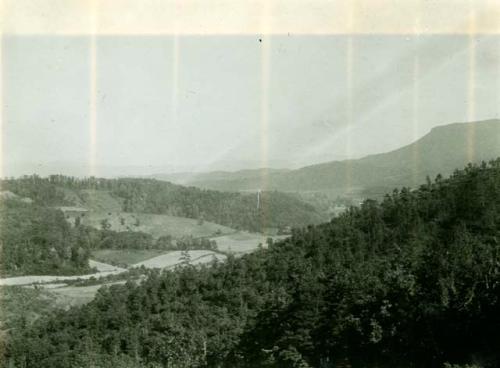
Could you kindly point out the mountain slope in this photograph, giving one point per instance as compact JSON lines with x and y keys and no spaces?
{"x":440,"y":151}
{"x":410,"y":282}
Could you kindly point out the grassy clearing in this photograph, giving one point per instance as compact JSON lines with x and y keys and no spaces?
{"x":156,"y":225}
{"x":93,"y":200}
{"x":69,"y":296}
{"x":171,"y":259}
{"x":243,"y":242}
{"x":100,"y":200}
{"x":125,"y":257}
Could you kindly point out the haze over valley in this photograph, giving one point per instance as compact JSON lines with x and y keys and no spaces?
{"x":325,"y":98}
{"x":249,"y":200}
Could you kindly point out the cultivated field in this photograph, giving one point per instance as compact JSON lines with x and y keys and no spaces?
{"x":68,"y":296}
{"x":124,"y":257}
{"x":156,"y":225}
{"x":243,"y":242}
{"x":102,"y":205}
{"x":174,"y":258}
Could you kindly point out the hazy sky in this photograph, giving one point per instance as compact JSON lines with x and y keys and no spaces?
{"x":217,"y":102}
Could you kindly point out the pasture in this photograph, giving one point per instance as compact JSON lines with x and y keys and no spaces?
{"x":243,"y":242}
{"x":171,"y":259}
{"x":125,"y":257}
{"x":156,"y":225}
{"x":68,"y":296}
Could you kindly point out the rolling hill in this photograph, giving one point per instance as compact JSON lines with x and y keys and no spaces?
{"x":441,"y":151}
{"x":410,"y":282}
{"x":240,"y":211}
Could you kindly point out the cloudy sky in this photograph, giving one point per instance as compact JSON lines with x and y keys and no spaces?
{"x":234,"y":102}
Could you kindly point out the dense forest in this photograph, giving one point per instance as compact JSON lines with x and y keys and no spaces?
{"x":39,"y":240}
{"x":127,"y":240}
{"x":412,"y":281}
{"x":239,"y":211}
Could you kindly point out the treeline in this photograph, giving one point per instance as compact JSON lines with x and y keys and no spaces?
{"x":127,"y":240}
{"x":236,"y":210}
{"x":413,"y":281}
{"x":190,"y":243}
{"x":38,"y":240}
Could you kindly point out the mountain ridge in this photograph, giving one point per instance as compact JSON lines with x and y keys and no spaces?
{"x":440,"y":151}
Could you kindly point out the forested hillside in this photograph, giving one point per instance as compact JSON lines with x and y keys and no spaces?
{"x":38,"y":240}
{"x":413,"y":281}
{"x":239,"y":211}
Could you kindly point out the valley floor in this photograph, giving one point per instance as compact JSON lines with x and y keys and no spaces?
{"x":65,"y":293}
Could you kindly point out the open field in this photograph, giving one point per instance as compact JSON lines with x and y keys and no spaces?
{"x":106,"y":270}
{"x":174,"y":258}
{"x":243,"y":242}
{"x":237,"y":243}
{"x":68,"y":296}
{"x":102,"y":205}
{"x":104,"y":267}
{"x":124,"y":257}
{"x":165,"y":260}
{"x":100,"y":200}
{"x":156,"y":225}
{"x":28,"y":303}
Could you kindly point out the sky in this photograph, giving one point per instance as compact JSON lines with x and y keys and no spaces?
{"x":199,"y":103}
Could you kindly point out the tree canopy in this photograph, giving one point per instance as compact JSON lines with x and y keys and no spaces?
{"x":412,"y":281}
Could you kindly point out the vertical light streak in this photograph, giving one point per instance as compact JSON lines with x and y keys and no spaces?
{"x":264,"y":103}
{"x":2,"y":157}
{"x":498,"y":74}
{"x":93,"y":90}
{"x":265,"y":72}
{"x":416,"y":115}
{"x":471,"y":84}
{"x":175,"y":93}
{"x":416,"y":97}
{"x":2,"y":82}
{"x":350,"y":96}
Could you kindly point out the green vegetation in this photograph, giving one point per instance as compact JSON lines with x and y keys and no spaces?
{"x":77,"y":294}
{"x":106,"y":239}
{"x":21,"y":306}
{"x":109,"y":239}
{"x":413,"y":281}
{"x":38,"y":240}
{"x":124,"y":257}
{"x":242,"y":242}
{"x":156,"y":225}
{"x":190,"y":243}
{"x":235,"y":210}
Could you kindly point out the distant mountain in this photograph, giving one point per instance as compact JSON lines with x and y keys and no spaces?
{"x":223,"y":180}
{"x":441,"y":151}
